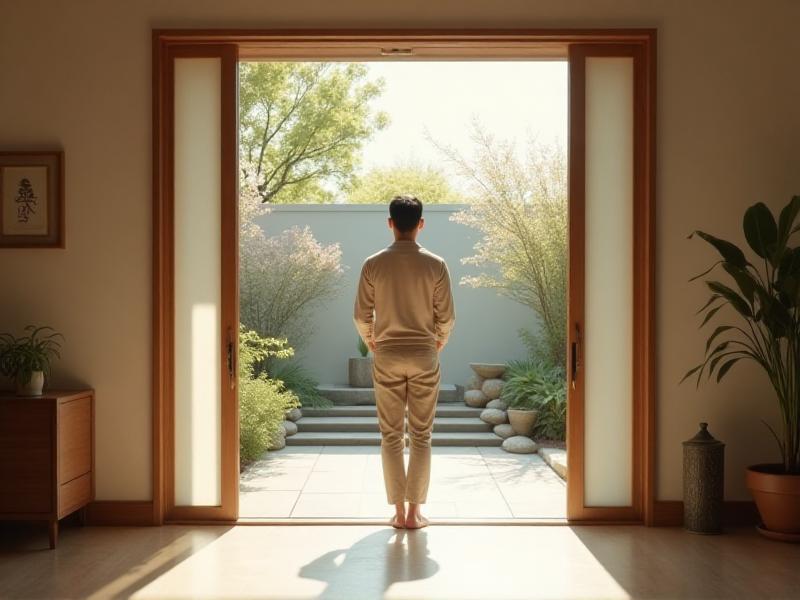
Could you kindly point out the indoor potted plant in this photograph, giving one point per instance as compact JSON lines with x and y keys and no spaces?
{"x":26,"y":360}
{"x":766,"y":304}
{"x":359,"y":368}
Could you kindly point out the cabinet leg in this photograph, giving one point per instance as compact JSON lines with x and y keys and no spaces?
{"x":53,"y":530}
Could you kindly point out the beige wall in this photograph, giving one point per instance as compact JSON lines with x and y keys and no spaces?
{"x":77,"y":74}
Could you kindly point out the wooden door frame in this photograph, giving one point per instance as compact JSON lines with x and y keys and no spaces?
{"x":394,"y":44}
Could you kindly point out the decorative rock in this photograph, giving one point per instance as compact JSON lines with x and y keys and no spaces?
{"x":279,"y":442}
{"x":504,"y":430}
{"x":494,"y":416}
{"x":475,"y":398}
{"x":497,"y":403}
{"x":488,"y":370}
{"x":294,"y":414}
{"x":289,"y":428}
{"x":492,"y":388}
{"x":475,"y":382}
{"x":519,"y":444}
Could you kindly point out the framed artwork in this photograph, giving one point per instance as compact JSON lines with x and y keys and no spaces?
{"x":32,"y":199}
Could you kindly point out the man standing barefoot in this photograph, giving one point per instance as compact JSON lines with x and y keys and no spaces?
{"x":404,"y":312}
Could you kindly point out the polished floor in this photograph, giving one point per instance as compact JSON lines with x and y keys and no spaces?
{"x":347,"y":482}
{"x":373,"y":562}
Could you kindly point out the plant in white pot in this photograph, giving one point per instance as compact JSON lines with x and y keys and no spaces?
{"x":359,"y":368}
{"x":765,"y":300}
{"x":26,"y":360}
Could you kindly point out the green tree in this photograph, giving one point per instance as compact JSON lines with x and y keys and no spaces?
{"x":302,"y":126}
{"x":381,"y":184}
{"x":520,"y":207}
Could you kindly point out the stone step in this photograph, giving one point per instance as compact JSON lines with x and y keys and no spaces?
{"x":451,"y":409}
{"x":347,"y":424}
{"x":345,"y":395}
{"x":365,"y":438}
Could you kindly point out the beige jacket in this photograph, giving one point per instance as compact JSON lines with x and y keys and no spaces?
{"x":408,"y":288}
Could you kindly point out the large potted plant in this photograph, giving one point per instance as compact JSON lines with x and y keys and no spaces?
{"x":765,"y":298}
{"x":26,"y":360}
{"x":520,"y":394}
{"x":359,"y":368}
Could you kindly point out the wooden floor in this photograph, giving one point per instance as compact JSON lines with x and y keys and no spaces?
{"x":362,"y":563}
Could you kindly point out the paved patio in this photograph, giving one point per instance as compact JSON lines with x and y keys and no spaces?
{"x":347,"y":482}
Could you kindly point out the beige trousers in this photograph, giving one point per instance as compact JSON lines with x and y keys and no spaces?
{"x":406,"y":376}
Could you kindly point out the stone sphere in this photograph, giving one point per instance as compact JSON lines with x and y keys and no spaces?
{"x":494,"y":416}
{"x":279,"y":442}
{"x":497,"y":403}
{"x":475,"y":382}
{"x":492,"y":388}
{"x":504,"y":430}
{"x":289,"y":428}
{"x":475,"y":398}
{"x":519,"y":444}
{"x":294,"y":414}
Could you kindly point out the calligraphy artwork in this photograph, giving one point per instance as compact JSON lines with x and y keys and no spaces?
{"x":24,"y":200}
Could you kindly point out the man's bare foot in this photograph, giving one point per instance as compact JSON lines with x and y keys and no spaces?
{"x":416,"y":521}
{"x":398,"y":521}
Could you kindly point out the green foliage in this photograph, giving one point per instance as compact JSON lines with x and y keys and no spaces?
{"x":363,"y":349}
{"x":297,"y":379}
{"x":520,"y":207}
{"x":535,"y":385}
{"x":263,"y":401}
{"x":766,"y":302}
{"x":380,"y":185}
{"x":303,"y":124}
{"x":20,"y":357}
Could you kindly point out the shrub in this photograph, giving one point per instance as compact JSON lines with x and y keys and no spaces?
{"x":263,"y":401}
{"x":282,"y":277}
{"x":297,"y":379}
{"x":533,"y":384}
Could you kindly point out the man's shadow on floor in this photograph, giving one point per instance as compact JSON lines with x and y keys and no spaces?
{"x":371,"y":565}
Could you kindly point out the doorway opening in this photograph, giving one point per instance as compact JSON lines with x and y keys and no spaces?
{"x":324,"y":147}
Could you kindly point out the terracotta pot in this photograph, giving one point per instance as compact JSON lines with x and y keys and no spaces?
{"x":33,"y":387}
{"x":522,"y":421}
{"x":777,"y":497}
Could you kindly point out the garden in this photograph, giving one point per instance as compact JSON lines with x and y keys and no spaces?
{"x":303,"y":130}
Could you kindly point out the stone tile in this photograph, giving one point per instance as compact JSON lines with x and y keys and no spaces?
{"x":264,"y":504}
{"x":328,"y":505}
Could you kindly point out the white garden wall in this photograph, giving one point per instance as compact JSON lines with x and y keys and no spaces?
{"x":486,"y":323}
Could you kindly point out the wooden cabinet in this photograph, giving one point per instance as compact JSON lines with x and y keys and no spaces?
{"x":46,"y":456}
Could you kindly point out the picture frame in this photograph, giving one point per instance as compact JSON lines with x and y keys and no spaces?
{"x":32,"y":199}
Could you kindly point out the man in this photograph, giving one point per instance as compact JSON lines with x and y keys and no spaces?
{"x":408,"y":288}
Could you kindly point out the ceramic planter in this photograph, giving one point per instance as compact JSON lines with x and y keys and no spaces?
{"x":33,"y":387}
{"x":359,"y":372}
{"x":522,"y":420}
{"x":777,"y":498}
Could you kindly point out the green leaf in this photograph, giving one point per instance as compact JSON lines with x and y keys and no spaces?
{"x":691,"y":372}
{"x":729,"y":252}
{"x":710,"y":301}
{"x":706,"y":272}
{"x":717,"y":331}
{"x":747,"y":285}
{"x":710,"y":314}
{"x":739,"y":303}
{"x":727,"y":367}
{"x":760,"y":230}
{"x":785,"y":223}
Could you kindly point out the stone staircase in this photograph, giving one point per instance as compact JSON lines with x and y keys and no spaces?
{"x":353,"y":420}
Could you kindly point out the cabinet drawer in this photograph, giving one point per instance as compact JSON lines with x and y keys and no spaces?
{"x":74,"y":439}
{"x":74,"y":494}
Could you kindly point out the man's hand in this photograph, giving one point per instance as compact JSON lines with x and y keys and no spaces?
{"x":439,"y":345}
{"x":371,"y":345}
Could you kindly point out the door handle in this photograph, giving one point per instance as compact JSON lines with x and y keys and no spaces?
{"x":231,"y":360}
{"x":574,"y":355}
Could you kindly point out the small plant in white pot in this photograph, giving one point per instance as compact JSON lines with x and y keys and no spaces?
{"x":359,"y":368}
{"x":26,"y":360}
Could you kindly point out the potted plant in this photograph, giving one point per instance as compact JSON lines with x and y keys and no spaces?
{"x":359,"y":368}
{"x":766,"y":303}
{"x":27,"y":359}
{"x":520,"y":394}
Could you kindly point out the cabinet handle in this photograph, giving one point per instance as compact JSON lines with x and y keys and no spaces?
{"x":231,"y":361}
{"x":574,"y":360}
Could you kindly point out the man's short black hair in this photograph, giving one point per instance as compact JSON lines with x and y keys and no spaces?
{"x":406,"y":211}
